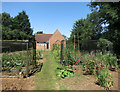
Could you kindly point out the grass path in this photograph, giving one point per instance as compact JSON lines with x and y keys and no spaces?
{"x":46,"y":79}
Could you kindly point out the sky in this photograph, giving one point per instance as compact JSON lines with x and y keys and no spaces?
{"x":49,"y":16}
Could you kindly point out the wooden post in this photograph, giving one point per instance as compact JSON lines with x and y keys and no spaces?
{"x":74,"y":44}
{"x":27,"y":67}
{"x":78,"y":44}
{"x":61,"y":58}
{"x":34,"y":52}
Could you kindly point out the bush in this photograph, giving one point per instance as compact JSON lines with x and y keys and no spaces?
{"x":110,"y":60}
{"x":104,"y":44}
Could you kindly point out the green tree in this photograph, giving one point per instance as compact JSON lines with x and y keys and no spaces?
{"x":109,"y":13}
{"x":7,"y":20}
{"x":17,"y":28}
{"x":22,"y":23}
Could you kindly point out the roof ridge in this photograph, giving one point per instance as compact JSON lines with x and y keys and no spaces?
{"x":43,"y":34}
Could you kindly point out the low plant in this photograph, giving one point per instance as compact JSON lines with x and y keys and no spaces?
{"x":65,"y":72}
{"x":10,"y":60}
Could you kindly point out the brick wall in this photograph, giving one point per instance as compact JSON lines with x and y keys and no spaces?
{"x":41,"y":46}
{"x":56,"y":38}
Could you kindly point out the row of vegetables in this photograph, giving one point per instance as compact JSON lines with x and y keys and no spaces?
{"x":18,"y":59}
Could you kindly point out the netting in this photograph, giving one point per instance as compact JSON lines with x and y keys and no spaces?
{"x":18,"y":57}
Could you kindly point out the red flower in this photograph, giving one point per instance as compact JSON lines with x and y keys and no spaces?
{"x":97,"y":69}
{"x":102,"y":65}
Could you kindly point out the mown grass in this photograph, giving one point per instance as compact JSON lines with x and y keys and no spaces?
{"x":46,"y":79}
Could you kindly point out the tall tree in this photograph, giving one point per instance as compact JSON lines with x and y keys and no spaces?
{"x":16,"y":28}
{"x":109,"y":13}
{"x":22,"y":23}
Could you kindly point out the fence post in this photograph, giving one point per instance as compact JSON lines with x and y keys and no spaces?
{"x":27,"y":67}
{"x":61,"y":51}
{"x":34,"y":51}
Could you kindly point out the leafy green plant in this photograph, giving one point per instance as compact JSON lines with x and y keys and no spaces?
{"x":110,"y":60}
{"x":104,"y":78}
{"x":65,"y":72}
{"x":69,"y":60}
{"x":10,"y":60}
{"x":89,"y":62}
{"x":56,"y":51}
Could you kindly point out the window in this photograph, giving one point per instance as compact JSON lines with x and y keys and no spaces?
{"x":37,"y":43}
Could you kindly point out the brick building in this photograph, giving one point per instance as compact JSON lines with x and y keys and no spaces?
{"x":46,"y":41}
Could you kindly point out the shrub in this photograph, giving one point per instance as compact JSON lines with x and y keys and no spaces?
{"x":110,"y":60}
{"x":103,"y":44}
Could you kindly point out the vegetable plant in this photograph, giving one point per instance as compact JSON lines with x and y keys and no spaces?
{"x":65,"y":72}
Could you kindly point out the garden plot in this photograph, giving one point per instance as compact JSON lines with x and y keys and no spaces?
{"x":85,"y":82}
{"x":19,"y":62}
{"x":19,"y":83}
{"x":98,"y":71}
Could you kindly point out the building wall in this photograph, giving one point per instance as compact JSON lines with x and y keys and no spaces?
{"x":40,"y":46}
{"x":56,"y":38}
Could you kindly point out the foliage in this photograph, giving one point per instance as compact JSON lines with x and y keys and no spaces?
{"x":65,"y":72}
{"x":10,"y":60}
{"x":56,"y":51}
{"x":69,"y":60}
{"x":110,"y":60}
{"x":17,"y":28}
{"x":38,"y":55}
{"x":89,"y":62}
{"x":104,"y":78}
{"x":109,"y":16}
{"x":103,"y":44}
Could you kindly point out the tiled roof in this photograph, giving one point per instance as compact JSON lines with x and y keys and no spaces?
{"x":42,"y":37}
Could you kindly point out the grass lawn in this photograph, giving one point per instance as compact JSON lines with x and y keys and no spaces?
{"x":46,"y":79}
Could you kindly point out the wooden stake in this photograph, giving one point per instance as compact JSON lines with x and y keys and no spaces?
{"x":74,"y":44}
{"x":78,"y":43}
{"x":27,"y":67}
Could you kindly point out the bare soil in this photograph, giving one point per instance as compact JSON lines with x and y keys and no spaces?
{"x":18,"y":83}
{"x":86,"y":82}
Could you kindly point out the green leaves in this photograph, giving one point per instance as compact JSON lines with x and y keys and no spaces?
{"x":17,"y":28}
{"x":103,"y":44}
{"x":14,"y":60}
{"x":56,"y":51}
{"x":104,"y":78}
{"x":65,"y":72}
{"x":109,"y":60}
